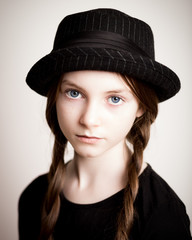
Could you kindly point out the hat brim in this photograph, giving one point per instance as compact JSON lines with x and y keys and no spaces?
{"x":41,"y":76}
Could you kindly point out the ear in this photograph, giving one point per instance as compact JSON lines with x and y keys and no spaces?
{"x":140,"y":112}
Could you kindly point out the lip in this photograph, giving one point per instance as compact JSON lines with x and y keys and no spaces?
{"x":88,"y":139}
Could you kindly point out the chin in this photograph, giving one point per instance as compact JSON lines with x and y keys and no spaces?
{"x":88,"y":153}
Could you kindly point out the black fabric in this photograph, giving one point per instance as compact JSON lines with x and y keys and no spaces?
{"x":99,"y":39}
{"x":82,"y":42}
{"x":160,"y":213}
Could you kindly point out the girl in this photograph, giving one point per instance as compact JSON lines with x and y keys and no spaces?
{"x":103,"y":87}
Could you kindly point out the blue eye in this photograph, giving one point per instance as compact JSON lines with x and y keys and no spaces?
{"x":115,"y":100}
{"x":73,"y":94}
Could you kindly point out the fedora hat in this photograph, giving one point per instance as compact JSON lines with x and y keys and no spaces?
{"x":105,"y":40}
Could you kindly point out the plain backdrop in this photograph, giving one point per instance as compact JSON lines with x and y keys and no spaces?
{"x":27,"y":32}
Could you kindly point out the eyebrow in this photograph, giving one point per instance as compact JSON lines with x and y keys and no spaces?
{"x":118,"y":91}
{"x":115,"y":91}
{"x":65,"y":81}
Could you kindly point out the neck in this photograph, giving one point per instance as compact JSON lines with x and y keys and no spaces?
{"x":88,"y":180}
{"x":110,"y":166}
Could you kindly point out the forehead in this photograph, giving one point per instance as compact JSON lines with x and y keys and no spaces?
{"x":95,"y":80}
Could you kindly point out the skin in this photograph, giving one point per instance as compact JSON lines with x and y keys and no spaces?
{"x":95,"y":111}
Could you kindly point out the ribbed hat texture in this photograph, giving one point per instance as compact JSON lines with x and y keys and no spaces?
{"x":108,"y":40}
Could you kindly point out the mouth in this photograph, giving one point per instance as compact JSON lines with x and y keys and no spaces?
{"x":88,"y":139}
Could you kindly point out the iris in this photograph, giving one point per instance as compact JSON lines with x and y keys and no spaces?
{"x":115,"y":99}
{"x":73,"y":93}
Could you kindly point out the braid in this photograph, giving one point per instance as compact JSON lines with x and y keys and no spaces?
{"x":52,"y":200}
{"x":51,"y":205}
{"x":138,"y":137}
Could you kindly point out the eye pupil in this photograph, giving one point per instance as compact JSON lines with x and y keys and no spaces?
{"x":74,"y":93}
{"x":115,"y":99}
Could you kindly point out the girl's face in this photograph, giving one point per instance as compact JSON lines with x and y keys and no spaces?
{"x":95,"y":111}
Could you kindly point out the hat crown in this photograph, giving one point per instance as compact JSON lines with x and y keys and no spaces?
{"x":106,"y":21}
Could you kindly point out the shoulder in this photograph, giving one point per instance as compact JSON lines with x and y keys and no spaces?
{"x":154,"y":188}
{"x":162,"y":214}
{"x":35,"y":190}
{"x":30,"y":204}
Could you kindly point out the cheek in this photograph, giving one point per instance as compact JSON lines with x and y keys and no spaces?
{"x":63,"y":115}
{"x":123,"y":122}
{"x":68,"y":114}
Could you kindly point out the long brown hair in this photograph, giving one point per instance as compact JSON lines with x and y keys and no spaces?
{"x":138,"y":137}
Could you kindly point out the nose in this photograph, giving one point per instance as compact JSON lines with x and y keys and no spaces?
{"x":90,"y":116}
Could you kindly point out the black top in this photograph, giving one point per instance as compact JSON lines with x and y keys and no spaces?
{"x":160,"y":213}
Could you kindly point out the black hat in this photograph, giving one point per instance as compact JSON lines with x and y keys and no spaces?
{"x":108,"y":40}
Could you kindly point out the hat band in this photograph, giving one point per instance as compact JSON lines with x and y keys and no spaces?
{"x":99,"y":39}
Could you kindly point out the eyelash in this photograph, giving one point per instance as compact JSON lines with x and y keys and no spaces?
{"x":69,"y":91}
{"x":118,"y":103}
